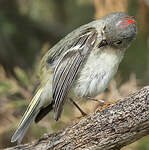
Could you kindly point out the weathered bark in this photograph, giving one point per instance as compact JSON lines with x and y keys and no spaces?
{"x":109,"y":129}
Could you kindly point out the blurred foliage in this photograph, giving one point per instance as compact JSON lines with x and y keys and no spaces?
{"x":144,"y":144}
{"x":28,"y":29}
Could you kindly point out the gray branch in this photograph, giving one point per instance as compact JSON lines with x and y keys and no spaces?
{"x":110,"y":129}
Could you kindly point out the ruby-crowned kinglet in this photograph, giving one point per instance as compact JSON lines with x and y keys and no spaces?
{"x":80,"y":65}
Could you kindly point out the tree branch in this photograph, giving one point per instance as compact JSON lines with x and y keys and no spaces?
{"x":110,"y":129}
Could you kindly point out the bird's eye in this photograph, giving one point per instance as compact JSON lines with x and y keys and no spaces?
{"x":118,"y":43}
{"x":102,"y":43}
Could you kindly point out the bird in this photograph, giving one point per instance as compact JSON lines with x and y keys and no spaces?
{"x":80,"y":65}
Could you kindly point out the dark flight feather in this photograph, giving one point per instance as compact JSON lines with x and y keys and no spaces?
{"x":68,"y":67}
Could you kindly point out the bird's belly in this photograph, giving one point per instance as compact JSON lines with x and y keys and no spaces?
{"x":94,"y":77}
{"x":91,"y":85}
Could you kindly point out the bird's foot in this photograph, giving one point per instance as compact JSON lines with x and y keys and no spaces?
{"x":102,"y":103}
{"x":107,"y":104}
{"x":82,"y":115}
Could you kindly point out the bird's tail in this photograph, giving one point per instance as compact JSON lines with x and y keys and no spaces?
{"x":28,"y":117}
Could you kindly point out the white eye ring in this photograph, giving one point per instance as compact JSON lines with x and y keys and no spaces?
{"x":103,"y":32}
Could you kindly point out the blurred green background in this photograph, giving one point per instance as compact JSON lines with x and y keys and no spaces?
{"x":28,"y":29}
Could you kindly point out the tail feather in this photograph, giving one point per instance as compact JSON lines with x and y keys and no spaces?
{"x":28,"y":117}
{"x":20,"y":132}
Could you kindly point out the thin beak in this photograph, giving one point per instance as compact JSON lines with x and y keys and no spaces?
{"x":102,"y":43}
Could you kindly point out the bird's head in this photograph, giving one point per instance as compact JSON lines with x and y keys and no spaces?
{"x":119,"y":30}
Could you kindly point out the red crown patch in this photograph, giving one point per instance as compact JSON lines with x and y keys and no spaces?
{"x":127,"y":21}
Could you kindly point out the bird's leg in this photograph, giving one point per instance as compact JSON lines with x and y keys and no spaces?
{"x":102,"y":102}
{"x":81,"y":111}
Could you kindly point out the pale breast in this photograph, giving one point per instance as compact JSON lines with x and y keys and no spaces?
{"x":96,"y":74}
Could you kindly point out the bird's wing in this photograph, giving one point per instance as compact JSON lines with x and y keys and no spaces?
{"x":68,"y":66}
{"x":49,"y":60}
